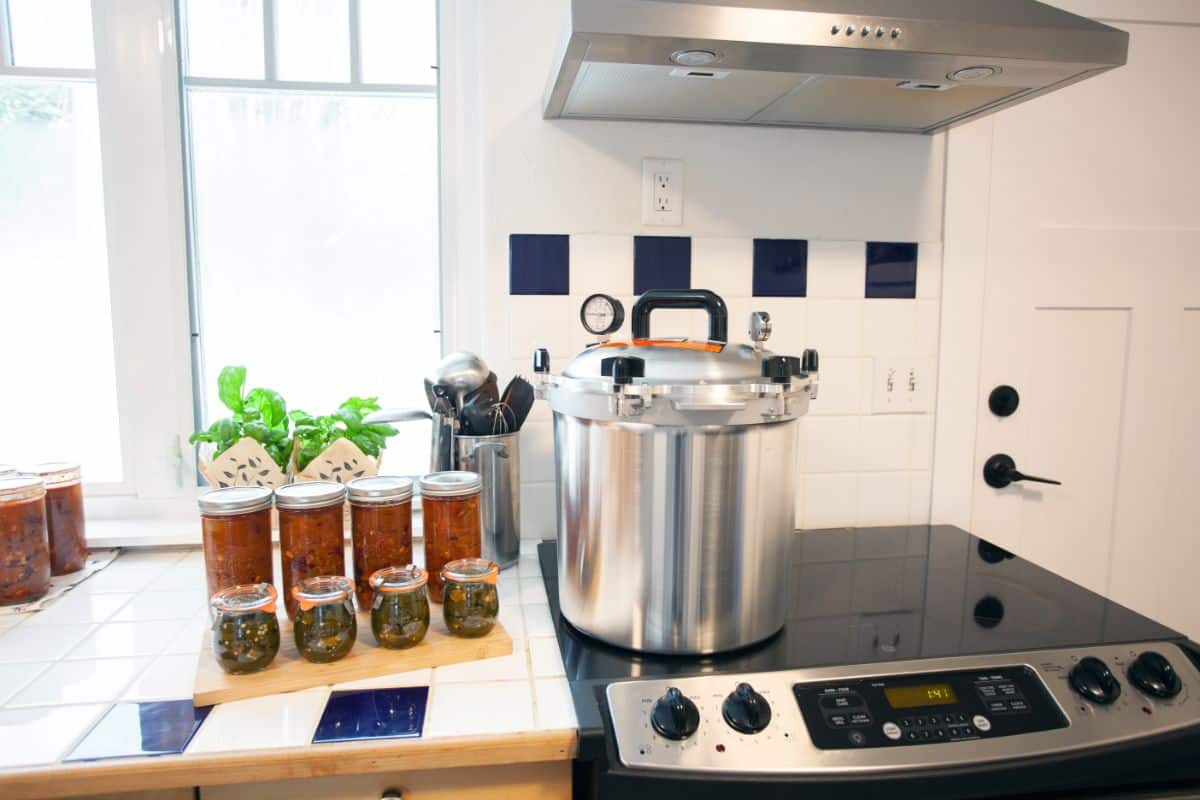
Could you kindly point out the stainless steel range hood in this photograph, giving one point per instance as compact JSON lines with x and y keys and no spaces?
{"x":908,"y":66}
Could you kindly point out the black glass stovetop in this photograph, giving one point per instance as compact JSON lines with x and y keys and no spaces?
{"x":864,"y":595}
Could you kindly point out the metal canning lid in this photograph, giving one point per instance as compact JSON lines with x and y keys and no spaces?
{"x":244,"y":599}
{"x":322,"y":590}
{"x":451,"y":484}
{"x":471,"y":570}
{"x":54,"y":473}
{"x":380,"y":489}
{"x":309,"y":494}
{"x":398,"y":579}
{"x":19,"y":488}
{"x":234,"y":500}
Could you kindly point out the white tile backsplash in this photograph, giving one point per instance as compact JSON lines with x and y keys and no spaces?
{"x":723,"y":265}
{"x":885,"y":442}
{"x":837,"y":269}
{"x":830,"y":444}
{"x":830,"y":500}
{"x":884,"y":498}
{"x":890,"y":327}
{"x":541,"y":321}
{"x":835,"y":327}
{"x":601,"y":263}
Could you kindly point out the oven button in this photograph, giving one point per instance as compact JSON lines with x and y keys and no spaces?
{"x":892,"y":731}
{"x":745,"y":710}
{"x":857,"y":738}
{"x":674,"y":716}
{"x":981,"y":722}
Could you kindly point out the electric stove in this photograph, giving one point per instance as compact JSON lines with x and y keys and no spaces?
{"x":917,"y":661}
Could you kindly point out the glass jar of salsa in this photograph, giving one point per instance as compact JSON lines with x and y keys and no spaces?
{"x":24,"y":548}
{"x":400,"y":610}
{"x":325,"y":625}
{"x":471,"y":603}
{"x":64,"y":515}
{"x":245,"y":628}
{"x":236,"y":527}
{"x":451,"y":522}
{"x":381,"y":526}
{"x":311,"y":533}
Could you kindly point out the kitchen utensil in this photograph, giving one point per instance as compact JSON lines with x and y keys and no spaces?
{"x":441,"y":431}
{"x":497,"y":460}
{"x":517,"y":401}
{"x":460,"y":373}
{"x":478,"y":416}
{"x":437,"y":403}
{"x":676,"y":482}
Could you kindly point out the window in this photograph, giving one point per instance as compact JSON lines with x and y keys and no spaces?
{"x":312,"y":144}
{"x":60,"y":392}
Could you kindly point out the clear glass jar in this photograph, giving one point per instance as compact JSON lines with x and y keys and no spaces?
{"x":400,"y":608}
{"x":245,"y":628}
{"x":236,"y":527}
{"x":24,"y":547}
{"x":65,"y":523}
{"x":311,"y":533}
{"x":471,"y":602}
{"x":381,"y":526}
{"x":325,"y":625}
{"x":451,"y":522}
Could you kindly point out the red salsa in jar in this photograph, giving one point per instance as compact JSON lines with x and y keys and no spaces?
{"x":311,"y":534}
{"x":451,"y":522}
{"x":236,"y":527}
{"x":381,"y":527}
{"x":24,"y":548}
{"x":64,"y":515}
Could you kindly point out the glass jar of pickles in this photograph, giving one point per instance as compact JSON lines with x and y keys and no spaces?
{"x":381,"y":526}
{"x":311,"y":533}
{"x":245,"y":628}
{"x":400,"y":610}
{"x":64,"y":515}
{"x":451,"y":521}
{"x":24,"y":548}
{"x":236,"y":528}
{"x":470,"y":601}
{"x":325,"y":625}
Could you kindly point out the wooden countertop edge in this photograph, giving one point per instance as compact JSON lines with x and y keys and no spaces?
{"x":254,"y":766}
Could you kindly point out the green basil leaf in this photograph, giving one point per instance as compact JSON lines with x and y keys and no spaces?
{"x":230,"y":383}
{"x":271,"y":408}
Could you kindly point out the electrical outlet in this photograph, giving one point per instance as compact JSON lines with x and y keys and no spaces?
{"x":662,"y":191}
{"x":903,"y":385}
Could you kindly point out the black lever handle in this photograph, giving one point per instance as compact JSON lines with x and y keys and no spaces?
{"x":718,"y":315}
{"x":1000,"y":470}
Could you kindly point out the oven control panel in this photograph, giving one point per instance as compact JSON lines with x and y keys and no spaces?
{"x":905,"y":715}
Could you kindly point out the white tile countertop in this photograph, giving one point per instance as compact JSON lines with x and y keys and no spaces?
{"x":133,"y":632}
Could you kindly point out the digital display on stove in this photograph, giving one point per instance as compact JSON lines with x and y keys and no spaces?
{"x":927,"y":694}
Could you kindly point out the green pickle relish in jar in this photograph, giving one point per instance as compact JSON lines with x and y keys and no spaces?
{"x":400,"y":608}
{"x":245,"y":628}
{"x":325,"y":625}
{"x":470,"y":601}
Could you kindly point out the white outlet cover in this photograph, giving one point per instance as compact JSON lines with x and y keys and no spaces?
{"x":672,"y":170}
{"x":903,"y":385}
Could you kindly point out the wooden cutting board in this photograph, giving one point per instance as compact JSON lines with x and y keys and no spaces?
{"x":289,"y":672}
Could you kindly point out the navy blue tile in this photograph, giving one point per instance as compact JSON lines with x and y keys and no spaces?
{"x":891,"y":270}
{"x":141,"y":729}
{"x":373,"y":714}
{"x":780,"y":267}
{"x":661,"y":262}
{"x":539,"y":263}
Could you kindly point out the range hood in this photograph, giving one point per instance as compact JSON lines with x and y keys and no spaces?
{"x":908,"y":66}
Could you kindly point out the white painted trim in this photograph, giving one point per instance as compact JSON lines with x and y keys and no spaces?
{"x":270,"y":57}
{"x":48,"y":72}
{"x":355,"y":33}
{"x":252,"y":85}
{"x":6,"y":52}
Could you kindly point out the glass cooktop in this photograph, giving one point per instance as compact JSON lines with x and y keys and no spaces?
{"x":865,"y":595}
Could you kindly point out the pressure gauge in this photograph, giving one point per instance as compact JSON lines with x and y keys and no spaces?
{"x":602,"y":315}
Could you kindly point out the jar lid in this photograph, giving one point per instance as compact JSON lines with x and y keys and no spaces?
{"x":471,"y":570}
{"x":21,"y":487}
{"x":245,"y":598}
{"x":54,"y":473}
{"x":398,"y":579}
{"x":309,"y":494}
{"x":380,"y":489}
{"x":235,"y":500}
{"x":451,"y":484}
{"x":322,"y":590}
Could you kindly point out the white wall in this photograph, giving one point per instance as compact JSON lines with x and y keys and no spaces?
{"x":513,"y":172}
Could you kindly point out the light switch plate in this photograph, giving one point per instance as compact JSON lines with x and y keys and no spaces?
{"x":903,"y":385}
{"x":662,"y":191}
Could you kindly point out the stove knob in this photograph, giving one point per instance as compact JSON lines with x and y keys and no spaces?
{"x":674,"y":715}
{"x":745,"y":710}
{"x":1092,"y":678}
{"x":1154,"y":675}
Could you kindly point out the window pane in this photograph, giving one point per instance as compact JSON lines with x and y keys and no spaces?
{"x":225,"y":38}
{"x":316,"y":237}
{"x":59,"y":399}
{"x":312,"y":41}
{"x":399,"y":41}
{"x":52,"y":33}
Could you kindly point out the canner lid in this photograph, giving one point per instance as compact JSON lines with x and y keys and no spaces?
{"x":674,"y":361}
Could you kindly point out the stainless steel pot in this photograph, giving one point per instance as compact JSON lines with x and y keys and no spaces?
{"x":676,"y":483}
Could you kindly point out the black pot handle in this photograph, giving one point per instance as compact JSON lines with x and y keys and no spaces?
{"x":718,"y":316}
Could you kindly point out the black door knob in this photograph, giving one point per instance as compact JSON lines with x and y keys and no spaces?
{"x":674,"y":716}
{"x":745,"y":710}
{"x":1094,"y":681}
{"x":1000,"y":470}
{"x":1154,"y":675}
{"x":1003,"y":401}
